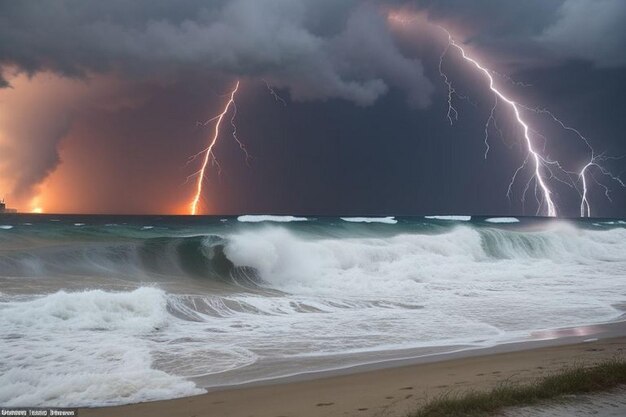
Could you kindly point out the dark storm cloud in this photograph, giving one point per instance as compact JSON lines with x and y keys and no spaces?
{"x":590,"y":30}
{"x":312,"y":50}
{"x":318,"y":49}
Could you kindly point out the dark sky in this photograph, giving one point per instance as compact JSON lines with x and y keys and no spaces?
{"x":107,"y":119}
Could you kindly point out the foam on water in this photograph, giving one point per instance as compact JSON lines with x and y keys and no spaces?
{"x":386,"y":220}
{"x":450,"y":218}
{"x":269,"y":218}
{"x":394,"y":265}
{"x":6,"y":227}
{"x":502,"y":220}
{"x":84,"y":349}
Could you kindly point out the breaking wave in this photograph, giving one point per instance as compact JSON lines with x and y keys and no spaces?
{"x":404,"y":262}
{"x":278,"y":258}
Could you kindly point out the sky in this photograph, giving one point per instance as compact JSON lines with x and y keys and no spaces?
{"x":100,"y":104}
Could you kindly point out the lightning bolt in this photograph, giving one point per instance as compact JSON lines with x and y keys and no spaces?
{"x":208,"y":152}
{"x":585,"y":207}
{"x":274,"y":94}
{"x":544,"y":169}
{"x":594,"y":162}
{"x":538,"y":160}
{"x":541,"y":164}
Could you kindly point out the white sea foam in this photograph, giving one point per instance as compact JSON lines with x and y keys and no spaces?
{"x":6,"y":227}
{"x":387,"y":220}
{"x":269,"y":218}
{"x":450,"y":218}
{"x":502,"y":220}
{"x":402,"y":263}
{"x":147,"y":228}
{"x":79,"y":224}
{"x":84,"y":349}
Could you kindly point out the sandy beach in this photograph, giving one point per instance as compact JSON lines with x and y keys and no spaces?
{"x":393,"y":389}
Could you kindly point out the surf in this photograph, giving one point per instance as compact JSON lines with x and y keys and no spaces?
{"x":187,"y":307}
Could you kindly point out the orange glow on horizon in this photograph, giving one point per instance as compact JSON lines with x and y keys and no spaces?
{"x":36,"y":206}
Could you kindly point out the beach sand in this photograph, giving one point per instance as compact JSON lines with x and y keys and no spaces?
{"x":393,"y":390}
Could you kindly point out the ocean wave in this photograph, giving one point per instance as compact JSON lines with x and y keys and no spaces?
{"x":386,"y":220}
{"x":268,"y":218}
{"x":278,"y":258}
{"x":450,"y":218}
{"x":401,"y":263}
{"x":195,"y":257}
{"x":502,"y":220}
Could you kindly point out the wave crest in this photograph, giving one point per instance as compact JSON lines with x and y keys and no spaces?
{"x":401,"y":263}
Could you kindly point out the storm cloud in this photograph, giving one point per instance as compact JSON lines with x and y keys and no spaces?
{"x":539,"y":32}
{"x":317,"y":49}
{"x":591,"y":30}
{"x":73,"y":64}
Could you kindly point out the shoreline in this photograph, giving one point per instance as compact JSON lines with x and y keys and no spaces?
{"x":357,"y":390}
{"x":386,"y":359}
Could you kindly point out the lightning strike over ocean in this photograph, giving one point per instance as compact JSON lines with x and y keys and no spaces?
{"x":208,"y":152}
{"x":537,"y":159}
{"x":543,"y":167}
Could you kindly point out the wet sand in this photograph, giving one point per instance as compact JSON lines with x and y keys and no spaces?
{"x":393,"y":388}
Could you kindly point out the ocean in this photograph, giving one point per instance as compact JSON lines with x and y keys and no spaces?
{"x":103,"y":310}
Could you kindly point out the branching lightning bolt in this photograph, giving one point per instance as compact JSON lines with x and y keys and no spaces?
{"x":544,"y":169}
{"x":594,"y":162}
{"x":453,"y":114}
{"x":208,"y":155}
{"x":542,"y":164}
{"x":538,"y":160}
{"x":208,"y":152}
{"x":585,"y":207}
{"x":274,"y":94}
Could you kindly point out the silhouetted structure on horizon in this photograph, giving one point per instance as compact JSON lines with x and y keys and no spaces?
{"x":4,"y":209}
